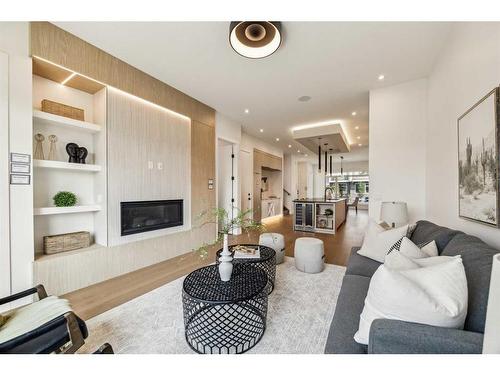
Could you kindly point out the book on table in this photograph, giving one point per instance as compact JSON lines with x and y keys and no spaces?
{"x":246,"y":252}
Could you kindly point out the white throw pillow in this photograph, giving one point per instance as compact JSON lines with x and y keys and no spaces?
{"x":435,"y":295}
{"x":430,"y":249}
{"x":378,"y":241}
{"x":395,"y":260}
{"x":411,"y":250}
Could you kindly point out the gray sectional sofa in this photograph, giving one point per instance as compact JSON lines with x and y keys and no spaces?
{"x":394,"y":336}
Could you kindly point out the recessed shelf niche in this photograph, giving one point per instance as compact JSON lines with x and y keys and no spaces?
{"x":87,"y":181}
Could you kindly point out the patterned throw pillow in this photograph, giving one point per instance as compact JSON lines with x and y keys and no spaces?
{"x":397,"y":245}
{"x":3,"y":319}
{"x":411,"y":229}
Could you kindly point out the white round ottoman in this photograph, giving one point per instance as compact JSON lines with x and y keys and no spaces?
{"x":309,"y":254}
{"x":275,"y":241}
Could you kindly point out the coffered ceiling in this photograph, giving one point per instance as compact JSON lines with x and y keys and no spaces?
{"x":334,"y":63}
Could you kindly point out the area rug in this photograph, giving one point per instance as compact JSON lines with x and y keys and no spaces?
{"x":300,"y":310}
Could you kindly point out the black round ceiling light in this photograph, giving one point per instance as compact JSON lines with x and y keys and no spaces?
{"x":255,"y":39}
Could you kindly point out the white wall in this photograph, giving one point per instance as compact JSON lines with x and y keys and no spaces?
{"x":248,"y":143}
{"x":227,"y":129}
{"x":14,"y":40}
{"x":397,"y":147}
{"x":4,"y":177}
{"x":466,"y":70}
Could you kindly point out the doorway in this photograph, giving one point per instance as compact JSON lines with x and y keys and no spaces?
{"x":246,"y":168}
{"x":227,"y":178}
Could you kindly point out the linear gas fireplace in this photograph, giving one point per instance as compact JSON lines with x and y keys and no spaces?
{"x":145,"y":216}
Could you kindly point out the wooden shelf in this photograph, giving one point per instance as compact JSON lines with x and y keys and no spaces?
{"x":52,"y":164}
{"x":65,"y":210}
{"x":50,"y":119}
{"x":40,"y":256}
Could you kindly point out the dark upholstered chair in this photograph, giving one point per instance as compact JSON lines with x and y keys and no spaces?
{"x":63,"y":334}
{"x":354,"y":204}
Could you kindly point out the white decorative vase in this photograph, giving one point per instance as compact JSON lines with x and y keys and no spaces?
{"x":226,"y":262}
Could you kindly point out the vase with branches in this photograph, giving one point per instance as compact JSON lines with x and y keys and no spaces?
{"x":227,"y":224}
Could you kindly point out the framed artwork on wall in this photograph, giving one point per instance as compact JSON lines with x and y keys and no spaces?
{"x":478,"y":161}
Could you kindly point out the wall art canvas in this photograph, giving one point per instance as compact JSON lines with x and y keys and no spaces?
{"x":478,"y":161}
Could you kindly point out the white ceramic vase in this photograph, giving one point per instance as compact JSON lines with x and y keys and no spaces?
{"x":226,"y":262}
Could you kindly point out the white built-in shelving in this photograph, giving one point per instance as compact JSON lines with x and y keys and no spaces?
{"x":53,"y":164}
{"x":37,"y":211}
{"x":86,"y":181}
{"x":44,"y":118}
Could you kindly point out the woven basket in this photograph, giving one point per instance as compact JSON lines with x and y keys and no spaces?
{"x":62,"y":110}
{"x":65,"y":242}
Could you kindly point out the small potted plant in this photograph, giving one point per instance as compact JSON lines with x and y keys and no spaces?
{"x":242,"y":220}
{"x":64,"y":199}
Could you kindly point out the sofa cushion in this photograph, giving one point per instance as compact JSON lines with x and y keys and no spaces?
{"x":477,"y":258}
{"x":345,"y":322}
{"x":361,"y":265}
{"x":426,"y":231}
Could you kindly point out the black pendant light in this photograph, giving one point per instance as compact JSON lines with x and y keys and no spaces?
{"x":341,"y":168}
{"x":326,"y":158}
{"x":331,"y":163}
{"x":255,"y":39}
{"x":319,"y":155}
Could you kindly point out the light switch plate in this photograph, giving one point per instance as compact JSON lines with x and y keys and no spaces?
{"x":159,"y":165}
{"x":150,"y":165}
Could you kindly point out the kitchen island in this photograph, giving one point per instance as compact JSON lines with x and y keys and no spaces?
{"x":319,"y":215}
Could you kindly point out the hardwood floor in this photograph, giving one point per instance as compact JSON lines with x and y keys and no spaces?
{"x":96,"y":299}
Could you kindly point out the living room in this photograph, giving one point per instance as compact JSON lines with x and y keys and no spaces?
{"x":263,"y":187}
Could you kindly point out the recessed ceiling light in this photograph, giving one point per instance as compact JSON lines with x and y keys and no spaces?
{"x":381,"y":77}
{"x":354,"y":113}
{"x":359,"y":137}
{"x":247,"y":110}
{"x":261,"y":130}
{"x":305,"y":155}
{"x":304,"y":98}
{"x":277,"y":139}
{"x":359,"y":144}
{"x":357,"y":127}
{"x":289,"y":146}
{"x":298,"y":150}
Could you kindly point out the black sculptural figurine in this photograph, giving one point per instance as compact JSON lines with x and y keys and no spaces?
{"x":72,"y":150}
{"x":82,"y":154}
{"x":76,"y":154}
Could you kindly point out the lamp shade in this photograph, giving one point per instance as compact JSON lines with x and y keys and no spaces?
{"x":395,"y":213}
{"x":491,"y":343}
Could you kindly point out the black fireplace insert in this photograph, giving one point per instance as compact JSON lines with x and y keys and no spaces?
{"x":145,"y":216}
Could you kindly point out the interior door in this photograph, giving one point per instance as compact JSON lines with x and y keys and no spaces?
{"x":246,"y":173}
{"x":4,"y":178}
{"x":302,"y":179}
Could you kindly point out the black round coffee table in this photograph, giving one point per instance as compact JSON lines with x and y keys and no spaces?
{"x":224,"y":317}
{"x":266,"y":262}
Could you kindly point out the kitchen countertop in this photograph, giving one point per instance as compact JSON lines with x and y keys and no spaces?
{"x":320,"y":200}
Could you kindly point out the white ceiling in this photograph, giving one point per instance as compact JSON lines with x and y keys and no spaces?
{"x":336,"y":63}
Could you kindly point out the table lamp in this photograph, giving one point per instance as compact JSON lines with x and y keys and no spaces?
{"x":394,"y":213}
{"x":491,"y":342}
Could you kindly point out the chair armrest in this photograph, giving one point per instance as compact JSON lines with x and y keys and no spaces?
{"x":39,"y":289}
{"x":398,"y":337}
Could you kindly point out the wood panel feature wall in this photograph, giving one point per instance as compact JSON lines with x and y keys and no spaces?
{"x":202,"y":167}
{"x":262,"y":159}
{"x":139,"y":133}
{"x":57,"y":45}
